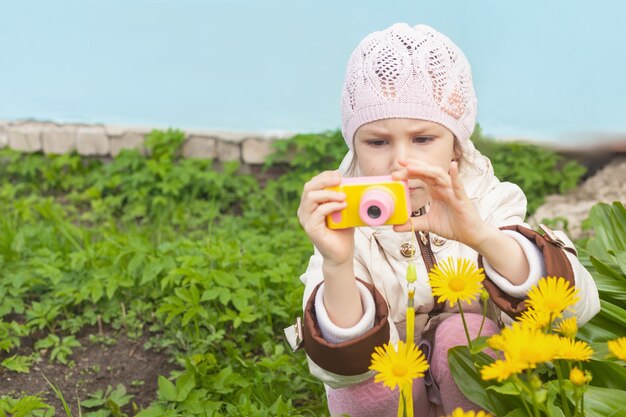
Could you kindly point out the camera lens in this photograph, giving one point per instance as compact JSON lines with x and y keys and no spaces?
{"x":376,"y":206}
{"x":373,"y":212}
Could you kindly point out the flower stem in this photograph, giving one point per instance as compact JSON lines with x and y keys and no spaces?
{"x":401,"y":404}
{"x":480,"y":329}
{"x":576,"y":400}
{"x":408,"y":396}
{"x":533,"y":397}
{"x":564,"y":400}
{"x":469,"y":341}
{"x":520,"y":386}
{"x":582,"y":404}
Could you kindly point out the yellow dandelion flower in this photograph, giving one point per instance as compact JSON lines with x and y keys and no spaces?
{"x":618,"y":347}
{"x":398,"y":367}
{"x":528,"y":346}
{"x":501,"y":370}
{"x":454,"y":281}
{"x":460,"y":413}
{"x":496,"y":342}
{"x":578,"y":377}
{"x":573,"y":350}
{"x":567,"y":327}
{"x":552,"y":295}
{"x":535,"y":319}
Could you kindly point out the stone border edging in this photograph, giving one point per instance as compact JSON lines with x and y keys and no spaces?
{"x":108,"y":140}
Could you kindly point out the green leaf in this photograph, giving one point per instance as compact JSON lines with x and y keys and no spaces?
{"x":167,"y":390}
{"x":225,"y":279}
{"x":96,"y":292}
{"x":609,"y":227}
{"x":555,"y":402}
{"x":479,"y":345}
{"x":609,"y":287}
{"x":17,"y":363}
{"x":189,"y":314}
{"x":25,"y":406}
{"x":184,"y":385}
{"x":605,"y":269}
{"x":607,"y":374}
{"x":620,"y":257}
{"x":150,"y":272}
{"x":93,"y":402}
{"x":608,"y":324}
{"x":136,"y":261}
{"x":154,"y":411}
{"x":508,"y":388}
{"x":112,"y":286}
{"x":517,"y":413}
{"x":604,"y":402}
{"x":463,"y":367}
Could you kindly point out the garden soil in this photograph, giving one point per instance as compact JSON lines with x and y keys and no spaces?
{"x":97,"y":366}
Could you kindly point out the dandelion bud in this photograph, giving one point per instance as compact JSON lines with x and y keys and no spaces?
{"x":535,"y":382}
{"x":484,"y":295}
{"x":411,"y":274}
{"x":578,"y":377}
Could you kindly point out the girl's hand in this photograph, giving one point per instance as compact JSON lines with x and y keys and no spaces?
{"x":452,"y":214}
{"x":336,"y":246}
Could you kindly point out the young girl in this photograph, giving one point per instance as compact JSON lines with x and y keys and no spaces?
{"x":408,"y":109}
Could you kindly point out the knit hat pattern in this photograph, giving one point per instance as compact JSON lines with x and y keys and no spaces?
{"x":408,"y":72}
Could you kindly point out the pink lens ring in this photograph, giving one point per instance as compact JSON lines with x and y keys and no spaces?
{"x":376,"y":207}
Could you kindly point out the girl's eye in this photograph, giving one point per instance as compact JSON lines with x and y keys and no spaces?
{"x":422,"y":139}
{"x":377,"y":143}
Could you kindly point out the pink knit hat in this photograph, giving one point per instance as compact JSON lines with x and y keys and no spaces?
{"x":408,"y":72}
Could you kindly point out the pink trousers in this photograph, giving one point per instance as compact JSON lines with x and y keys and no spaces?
{"x":375,"y":399}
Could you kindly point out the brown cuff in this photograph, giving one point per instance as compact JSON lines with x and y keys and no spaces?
{"x":352,"y":357}
{"x":557,"y":265}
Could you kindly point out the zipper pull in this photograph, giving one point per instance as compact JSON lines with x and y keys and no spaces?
{"x":424,"y":237}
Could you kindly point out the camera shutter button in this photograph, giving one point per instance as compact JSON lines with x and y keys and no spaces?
{"x":407,"y":249}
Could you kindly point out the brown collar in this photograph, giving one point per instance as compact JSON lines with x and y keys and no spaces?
{"x":420,"y":212}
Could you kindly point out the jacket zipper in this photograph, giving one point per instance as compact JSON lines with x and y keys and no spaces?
{"x":429,"y":259}
{"x":427,"y":253}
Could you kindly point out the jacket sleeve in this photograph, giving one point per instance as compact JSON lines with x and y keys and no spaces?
{"x":505,"y":207}
{"x":341,"y":357}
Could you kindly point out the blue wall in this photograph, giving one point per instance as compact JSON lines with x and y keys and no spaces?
{"x":542,"y":69}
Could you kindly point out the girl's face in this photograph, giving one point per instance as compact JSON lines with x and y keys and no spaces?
{"x":380,"y":144}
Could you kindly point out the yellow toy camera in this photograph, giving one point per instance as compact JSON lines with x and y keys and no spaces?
{"x":372,"y":201}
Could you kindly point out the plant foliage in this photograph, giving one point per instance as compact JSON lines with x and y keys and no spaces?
{"x":204,"y":260}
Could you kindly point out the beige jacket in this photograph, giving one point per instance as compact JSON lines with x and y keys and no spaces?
{"x":379,"y":261}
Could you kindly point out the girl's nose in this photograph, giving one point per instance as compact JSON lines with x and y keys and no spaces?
{"x":400,"y":153}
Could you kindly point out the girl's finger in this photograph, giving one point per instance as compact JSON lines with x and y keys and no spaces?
{"x":457,"y":186}
{"x":312,"y":199}
{"x":420,"y":170}
{"x":321,"y":181}
{"x":419,"y":224}
{"x":318,"y":216}
{"x":322,"y":196}
{"x":400,"y":174}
